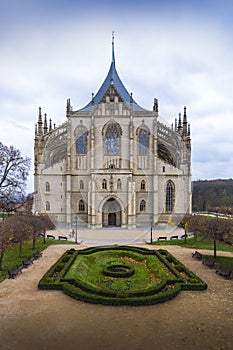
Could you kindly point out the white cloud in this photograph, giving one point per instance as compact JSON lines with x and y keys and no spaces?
{"x":182,"y":60}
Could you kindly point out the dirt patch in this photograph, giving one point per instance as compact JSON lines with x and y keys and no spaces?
{"x":34,"y":319}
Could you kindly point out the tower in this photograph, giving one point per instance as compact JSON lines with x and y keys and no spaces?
{"x":112,"y":162}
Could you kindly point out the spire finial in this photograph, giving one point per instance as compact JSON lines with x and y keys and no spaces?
{"x":40,"y":123}
{"x":45,"y":124}
{"x":113,"y":55}
{"x":50,"y":124}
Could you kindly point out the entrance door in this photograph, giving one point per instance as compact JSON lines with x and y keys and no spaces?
{"x":112,"y":219}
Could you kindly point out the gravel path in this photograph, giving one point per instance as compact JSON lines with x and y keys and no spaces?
{"x":33,"y":319}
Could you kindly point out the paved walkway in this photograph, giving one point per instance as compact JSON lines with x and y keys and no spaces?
{"x":102,"y":236}
{"x":33,"y":319}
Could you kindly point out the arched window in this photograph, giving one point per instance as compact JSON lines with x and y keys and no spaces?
{"x":112,"y":140}
{"x":143,"y":205}
{"x":143,"y":140}
{"x":170,"y":196}
{"x":47,"y":206}
{"x":119,"y":184}
{"x":143,"y":185}
{"x":47,"y":187}
{"x":81,"y":205}
{"x":104,"y":184}
{"x":81,"y":185}
{"x":81,"y":146}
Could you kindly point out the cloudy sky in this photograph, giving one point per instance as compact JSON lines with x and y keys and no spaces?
{"x":178,"y":51}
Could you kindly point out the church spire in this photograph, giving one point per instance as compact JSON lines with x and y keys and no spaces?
{"x":40,"y":123}
{"x":112,"y":79}
{"x":45,"y":124}
{"x":113,"y":54}
{"x":50,"y":125}
{"x":179,"y":129}
{"x":185,"y":123}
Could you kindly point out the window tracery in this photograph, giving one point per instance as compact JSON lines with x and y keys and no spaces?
{"x":81,"y":205}
{"x":170,"y":196}
{"x":143,"y":140}
{"x":81,"y":185}
{"x":112,"y":140}
{"x":104,"y":184}
{"x":143,"y":185}
{"x":143,"y":205}
{"x":81,"y":142}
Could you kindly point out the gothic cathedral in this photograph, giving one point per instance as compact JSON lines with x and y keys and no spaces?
{"x":112,"y":163}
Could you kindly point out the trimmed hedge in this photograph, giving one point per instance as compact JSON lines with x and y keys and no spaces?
{"x":83,"y":289}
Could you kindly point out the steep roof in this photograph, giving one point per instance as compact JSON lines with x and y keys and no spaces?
{"x":113,"y":79}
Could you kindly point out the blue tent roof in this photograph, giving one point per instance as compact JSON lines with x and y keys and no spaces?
{"x":113,"y":79}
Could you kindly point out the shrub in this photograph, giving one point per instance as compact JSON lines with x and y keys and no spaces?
{"x":120,"y":275}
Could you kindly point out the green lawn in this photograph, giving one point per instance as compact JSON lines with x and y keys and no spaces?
{"x":89,"y":268}
{"x":197,"y":243}
{"x":223,"y":260}
{"x":11,"y":256}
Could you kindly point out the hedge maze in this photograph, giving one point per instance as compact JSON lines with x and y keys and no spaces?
{"x":120,"y":275}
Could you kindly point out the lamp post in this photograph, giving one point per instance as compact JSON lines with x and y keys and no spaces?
{"x":151,"y":223}
{"x":76,"y":229}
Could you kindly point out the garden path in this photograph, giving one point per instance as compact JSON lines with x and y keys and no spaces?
{"x":33,"y":319}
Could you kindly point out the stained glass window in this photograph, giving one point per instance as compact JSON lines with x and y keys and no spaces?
{"x":170,"y":196}
{"x":112,"y":140}
{"x":143,"y":140}
{"x":82,"y":142}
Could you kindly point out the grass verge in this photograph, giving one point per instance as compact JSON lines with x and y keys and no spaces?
{"x":196,"y":243}
{"x":11,"y":256}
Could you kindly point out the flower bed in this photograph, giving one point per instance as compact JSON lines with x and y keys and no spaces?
{"x":120,"y":275}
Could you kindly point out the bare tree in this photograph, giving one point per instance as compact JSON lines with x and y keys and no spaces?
{"x":216,"y":228}
{"x":210,"y":227}
{"x":38,"y":223}
{"x":20,"y":229}
{"x":5,"y":239}
{"x":14,"y":169}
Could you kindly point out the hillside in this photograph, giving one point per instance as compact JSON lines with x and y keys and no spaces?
{"x":209,"y":195}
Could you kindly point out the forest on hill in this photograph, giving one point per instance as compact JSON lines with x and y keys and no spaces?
{"x":213,"y":195}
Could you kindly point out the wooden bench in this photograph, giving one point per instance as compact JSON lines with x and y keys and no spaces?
{"x":197,"y":255}
{"x":62,"y":238}
{"x":210,"y":262}
{"x":51,"y":236}
{"x":174,"y":237}
{"x":223,"y":270}
{"x":27,"y":262}
{"x":14,"y":271}
{"x":162,"y":238}
{"x":37,"y":255}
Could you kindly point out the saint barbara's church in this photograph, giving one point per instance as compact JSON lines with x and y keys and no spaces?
{"x":112,"y":162}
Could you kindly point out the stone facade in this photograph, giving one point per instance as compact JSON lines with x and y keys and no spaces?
{"x":112,"y":163}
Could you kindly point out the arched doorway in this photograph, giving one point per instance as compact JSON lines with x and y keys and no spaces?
{"x":111,"y":215}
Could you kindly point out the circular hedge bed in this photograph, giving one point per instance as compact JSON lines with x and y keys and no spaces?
{"x":120,"y":275}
